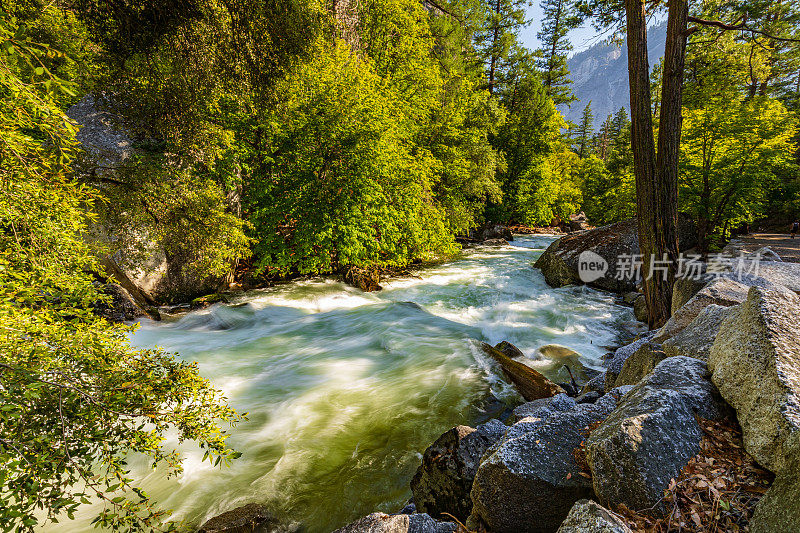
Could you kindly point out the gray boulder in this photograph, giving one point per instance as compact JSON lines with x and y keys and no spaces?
{"x":559,"y":263}
{"x":544,"y":408}
{"x":493,"y":231}
{"x":723,"y":291}
{"x":696,"y":339}
{"x":652,"y":434}
{"x":398,"y":523}
{"x":755,"y":362}
{"x":443,"y":482}
{"x":529,"y":481}
{"x":785,"y":274}
{"x":617,"y":361}
{"x":684,"y":290}
{"x":587,"y":516}
{"x":640,"y":363}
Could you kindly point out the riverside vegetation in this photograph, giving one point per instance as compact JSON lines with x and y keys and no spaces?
{"x":184,"y":147}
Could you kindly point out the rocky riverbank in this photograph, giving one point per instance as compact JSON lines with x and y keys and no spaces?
{"x":694,"y":426}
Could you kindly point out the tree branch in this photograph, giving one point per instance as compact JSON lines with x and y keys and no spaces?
{"x":740,"y":24}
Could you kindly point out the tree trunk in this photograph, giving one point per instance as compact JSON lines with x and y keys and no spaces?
{"x":644,"y":155}
{"x":669,"y":142}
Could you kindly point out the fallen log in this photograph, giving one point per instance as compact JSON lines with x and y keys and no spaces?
{"x":530,"y":383}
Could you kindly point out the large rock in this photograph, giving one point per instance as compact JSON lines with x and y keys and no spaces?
{"x":640,"y":363}
{"x":559,"y":263}
{"x":246,"y":519}
{"x":684,"y":290}
{"x":652,"y":434}
{"x":529,"y":481}
{"x":755,"y":362}
{"x":148,"y":271}
{"x":544,"y":408}
{"x":723,"y":291}
{"x":779,"y":509}
{"x":784,"y":274}
{"x":587,"y":516}
{"x":531,"y":384}
{"x":617,"y":361}
{"x":444,"y":480}
{"x":696,"y":339}
{"x":121,"y":306}
{"x":398,"y":523}
{"x":491,"y":231}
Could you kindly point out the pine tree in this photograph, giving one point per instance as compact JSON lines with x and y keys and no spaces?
{"x":584,"y":131}
{"x":605,"y":137}
{"x":497,"y":38}
{"x":559,"y":17}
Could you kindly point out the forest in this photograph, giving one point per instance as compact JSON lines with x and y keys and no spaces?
{"x":271,"y":139}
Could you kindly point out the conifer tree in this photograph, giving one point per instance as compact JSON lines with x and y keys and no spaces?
{"x":559,"y":17}
{"x":583,"y":133}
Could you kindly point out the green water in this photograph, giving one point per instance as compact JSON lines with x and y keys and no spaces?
{"x":345,"y":390}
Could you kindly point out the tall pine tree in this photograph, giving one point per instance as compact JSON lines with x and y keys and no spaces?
{"x":559,"y":17}
{"x":498,"y":36}
{"x":583,"y":133}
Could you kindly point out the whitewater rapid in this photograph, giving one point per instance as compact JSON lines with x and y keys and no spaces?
{"x":345,"y":389}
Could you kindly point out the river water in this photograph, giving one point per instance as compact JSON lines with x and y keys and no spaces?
{"x":345,"y":389}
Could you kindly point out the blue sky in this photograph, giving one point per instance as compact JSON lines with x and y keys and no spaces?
{"x":582,"y":38}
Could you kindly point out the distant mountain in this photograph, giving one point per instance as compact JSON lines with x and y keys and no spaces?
{"x":600,"y":74}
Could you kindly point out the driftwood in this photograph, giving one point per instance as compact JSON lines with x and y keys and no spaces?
{"x":530,"y":383}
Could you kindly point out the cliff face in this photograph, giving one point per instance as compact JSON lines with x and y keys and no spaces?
{"x":600,"y":74}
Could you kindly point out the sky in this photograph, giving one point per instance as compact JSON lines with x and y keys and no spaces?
{"x":581,"y":38}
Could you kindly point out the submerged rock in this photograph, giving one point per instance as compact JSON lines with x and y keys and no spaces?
{"x":556,"y":351}
{"x":652,"y":434}
{"x":587,"y":516}
{"x":247,"y":518}
{"x":755,"y":362}
{"x":529,"y":481}
{"x":398,"y":523}
{"x":531,"y":384}
{"x":444,"y":480}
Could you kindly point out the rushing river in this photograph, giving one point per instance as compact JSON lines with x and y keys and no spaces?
{"x":344,"y":390}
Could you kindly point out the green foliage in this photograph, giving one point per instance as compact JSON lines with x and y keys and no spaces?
{"x":76,"y":399}
{"x":343,"y":186}
{"x":731,"y":151}
{"x":536,"y":180}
